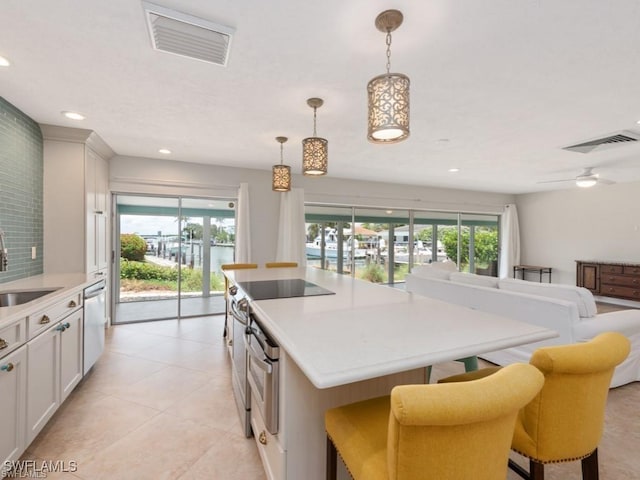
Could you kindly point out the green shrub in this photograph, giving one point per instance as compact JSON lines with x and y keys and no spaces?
{"x":132,"y":247}
{"x":374,"y":273}
{"x":159,"y":277}
{"x":146,"y":271}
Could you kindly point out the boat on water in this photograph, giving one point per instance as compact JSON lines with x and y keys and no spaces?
{"x":421,"y":254}
{"x":314,"y":249}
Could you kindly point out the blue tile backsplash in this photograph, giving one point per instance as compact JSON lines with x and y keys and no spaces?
{"x":21,"y":176}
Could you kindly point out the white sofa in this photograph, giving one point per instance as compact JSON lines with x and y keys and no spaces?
{"x":569,"y":310}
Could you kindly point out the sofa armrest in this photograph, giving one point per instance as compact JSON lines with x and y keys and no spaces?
{"x":626,"y":322}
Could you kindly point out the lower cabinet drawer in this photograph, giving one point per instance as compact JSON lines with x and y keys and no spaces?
{"x":271,"y":452}
{"x":43,"y":319}
{"x":622,"y":292}
{"x":12,"y":336}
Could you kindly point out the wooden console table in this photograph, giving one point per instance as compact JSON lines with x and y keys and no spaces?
{"x":609,"y":279}
{"x":531,"y":268}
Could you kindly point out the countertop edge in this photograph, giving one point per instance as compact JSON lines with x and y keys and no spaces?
{"x":65,"y":282}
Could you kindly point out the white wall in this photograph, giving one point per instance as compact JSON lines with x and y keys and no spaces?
{"x":599,"y":223}
{"x":152,"y":176}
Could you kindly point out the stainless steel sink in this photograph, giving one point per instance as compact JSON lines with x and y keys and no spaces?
{"x":10,"y":299}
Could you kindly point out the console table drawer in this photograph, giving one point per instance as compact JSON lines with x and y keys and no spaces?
{"x":631,"y":270}
{"x":611,"y":268}
{"x":627,"y":281}
{"x":623,"y":292}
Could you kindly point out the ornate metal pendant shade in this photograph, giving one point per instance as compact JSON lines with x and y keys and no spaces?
{"x":388,"y":93}
{"x":315,"y":150}
{"x":281,"y":173}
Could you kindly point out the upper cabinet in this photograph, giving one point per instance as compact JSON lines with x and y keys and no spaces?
{"x":76,"y":201}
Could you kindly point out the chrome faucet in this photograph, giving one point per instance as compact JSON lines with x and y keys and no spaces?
{"x":4,"y":260}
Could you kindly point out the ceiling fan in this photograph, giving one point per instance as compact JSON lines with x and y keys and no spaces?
{"x":586,"y":179}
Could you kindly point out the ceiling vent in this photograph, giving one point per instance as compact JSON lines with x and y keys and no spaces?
{"x":610,"y":141}
{"x":188,"y":36}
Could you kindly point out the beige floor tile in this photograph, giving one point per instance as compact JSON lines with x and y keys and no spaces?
{"x":163,"y":448}
{"x":171,"y":350}
{"x":115,"y":370}
{"x":234,"y":459}
{"x":129,"y":342}
{"x":164,"y":387}
{"x":212,"y":404}
{"x":78,"y":430}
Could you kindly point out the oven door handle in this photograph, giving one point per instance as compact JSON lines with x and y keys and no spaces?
{"x":258,"y":357}
{"x":237,"y":315}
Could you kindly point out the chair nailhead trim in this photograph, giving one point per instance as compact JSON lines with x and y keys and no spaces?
{"x":546,"y":462}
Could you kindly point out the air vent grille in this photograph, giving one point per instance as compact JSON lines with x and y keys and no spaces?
{"x":608,"y":141}
{"x":188,"y":36}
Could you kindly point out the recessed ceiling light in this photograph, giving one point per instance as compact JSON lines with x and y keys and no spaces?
{"x":73,"y":115}
{"x":164,"y":151}
{"x":388,"y":212}
{"x":454,"y":170}
{"x":4,"y":62}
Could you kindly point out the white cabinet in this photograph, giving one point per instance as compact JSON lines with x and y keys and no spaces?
{"x":12,"y":403}
{"x":54,"y":368}
{"x":76,"y":201}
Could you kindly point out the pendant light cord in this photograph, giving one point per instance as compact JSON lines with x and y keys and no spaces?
{"x":281,"y":157}
{"x":314,"y":121}
{"x":388,"y":51}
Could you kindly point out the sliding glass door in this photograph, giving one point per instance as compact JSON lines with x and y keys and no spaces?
{"x":382,"y":245}
{"x":171,"y":249}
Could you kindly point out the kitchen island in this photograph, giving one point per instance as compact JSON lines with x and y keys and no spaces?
{"x":356,"y":344}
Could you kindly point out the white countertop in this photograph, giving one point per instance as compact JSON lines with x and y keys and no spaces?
{"x":367,"y":330}
{"x":64,"y":282}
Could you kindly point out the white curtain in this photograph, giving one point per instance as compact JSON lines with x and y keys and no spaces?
{"x":291,"y":230}
{"x":509,"y":241}
{"x":243,"y":230}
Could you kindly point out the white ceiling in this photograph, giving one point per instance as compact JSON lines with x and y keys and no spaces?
{"x":498,"y":87}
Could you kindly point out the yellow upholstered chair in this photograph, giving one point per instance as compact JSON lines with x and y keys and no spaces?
{"x":432,"y":431}
{"x":231,"y":266}
{"x":564,"y":422}
{"x":280,"y":264}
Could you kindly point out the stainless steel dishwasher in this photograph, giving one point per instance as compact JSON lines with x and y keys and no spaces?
{"x":95,"y":319}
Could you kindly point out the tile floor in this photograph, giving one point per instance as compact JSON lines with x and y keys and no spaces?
{"x":158,"y":405}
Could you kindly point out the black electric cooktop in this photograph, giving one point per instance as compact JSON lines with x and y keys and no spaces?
{"x":287,"y":288}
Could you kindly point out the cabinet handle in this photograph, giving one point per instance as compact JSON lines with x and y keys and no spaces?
{"x":634,"y":281}
{"x":230,"y":343}
{"x":44,"y":320}
{"x":262,"y":438}
{"x":72,"y":304}
{"x":99,"y":212}
{"x":3,"y":344}
{"x":67,"y":325}
{"x":60,"y":328}
{"x":7,"y":368}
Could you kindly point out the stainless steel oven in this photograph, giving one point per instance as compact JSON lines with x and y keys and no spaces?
{"x":239,"y":312}
{"x":263,"y":367}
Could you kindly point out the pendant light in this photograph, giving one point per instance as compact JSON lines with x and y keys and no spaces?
{"x":315,"y":156}
{"x":281,"y":173}
{"x":388,"y":93}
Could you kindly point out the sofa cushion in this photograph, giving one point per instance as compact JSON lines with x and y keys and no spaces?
{"x":441,"y":270}
{"x":579,"y":295}
{"x":473,"y":279}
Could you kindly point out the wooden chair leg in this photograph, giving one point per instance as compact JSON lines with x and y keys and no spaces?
{"x":536,"y":470}
{"x":590,"y":466}
{"x":332,"y":460}
{"x":519,"y":470}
